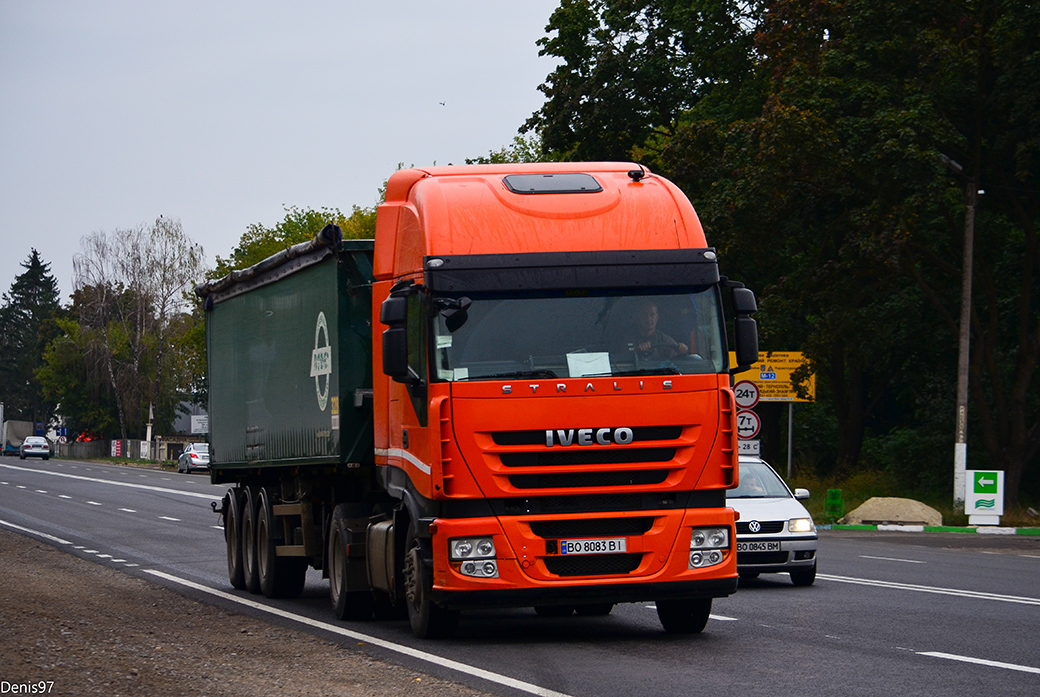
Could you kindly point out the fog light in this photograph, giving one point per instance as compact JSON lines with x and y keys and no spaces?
{"x":708,"y":546}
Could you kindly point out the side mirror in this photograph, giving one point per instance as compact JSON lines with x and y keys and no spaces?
{"x":744,"y":302}
{"x":745,"y":328}
{"x":394,"y":313}
{"x":801,"y":494}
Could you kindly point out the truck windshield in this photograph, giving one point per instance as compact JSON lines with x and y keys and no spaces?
{"x":578,"y":334}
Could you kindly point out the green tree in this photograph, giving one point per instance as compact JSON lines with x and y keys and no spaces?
{"x":71,"y":375}
{"x":299,"y":225}
{"x":132,"y":300}
{"x":523,"y":149}
{"x":26,"y":325}
{"x":630,"y":68}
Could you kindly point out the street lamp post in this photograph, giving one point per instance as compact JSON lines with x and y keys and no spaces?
{"x":960,"y":447}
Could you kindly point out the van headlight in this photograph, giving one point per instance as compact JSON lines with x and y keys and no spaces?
{"x":708,"y":546}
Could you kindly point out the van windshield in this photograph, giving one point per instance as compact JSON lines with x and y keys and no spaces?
{"x":578,"y":334}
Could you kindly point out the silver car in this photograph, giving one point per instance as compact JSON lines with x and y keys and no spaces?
{"x":194,"y":457}
{"x":775,"y":534}
{"x":35,"y":446}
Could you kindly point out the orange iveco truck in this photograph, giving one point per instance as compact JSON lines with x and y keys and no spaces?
{"x":517,"y":395}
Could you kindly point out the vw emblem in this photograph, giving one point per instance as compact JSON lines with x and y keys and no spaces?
{"x":755,"y":526}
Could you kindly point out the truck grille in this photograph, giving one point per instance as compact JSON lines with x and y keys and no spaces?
{"x":597,"y":527}
{"x":616,"y":456}
{"x":643,"y":433}
{"x":593,"y":564}
{"x":571,"y":480}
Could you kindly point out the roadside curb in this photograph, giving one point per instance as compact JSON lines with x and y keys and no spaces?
{"x":980,"y":530}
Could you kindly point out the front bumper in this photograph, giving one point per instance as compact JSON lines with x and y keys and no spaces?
{"x":794,"y":554}
{"x":532,"y":571}
{"x":586,"y":595}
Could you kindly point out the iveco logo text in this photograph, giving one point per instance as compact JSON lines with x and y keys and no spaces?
{"x":588,"y":436}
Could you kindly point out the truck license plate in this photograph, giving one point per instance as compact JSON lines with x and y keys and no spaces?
{"x":758,"y":546}
{"x":615,"y":545}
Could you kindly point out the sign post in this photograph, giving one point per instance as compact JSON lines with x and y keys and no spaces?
{"x":984,"y":496}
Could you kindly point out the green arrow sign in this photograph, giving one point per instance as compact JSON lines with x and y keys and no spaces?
{"x":986,"y":482}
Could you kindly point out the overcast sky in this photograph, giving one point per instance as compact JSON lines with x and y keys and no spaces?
{"x":221,"y":113}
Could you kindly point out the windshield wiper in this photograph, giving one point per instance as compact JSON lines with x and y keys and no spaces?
{"x":659,"y":370}
{"x":516,"y":374}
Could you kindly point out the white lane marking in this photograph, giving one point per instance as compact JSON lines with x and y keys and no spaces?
{"x":906,"y":561}
{"x":128,"y":510}
{"x":980,"y":661}
{"x":375,"y":641}
{"x":166,"y":517}
{"x":64,"y":496}
{"x":44,"y":535}
{"x":163,"y":490}
{"x":93,"y":503}
{"x":979,"y":595}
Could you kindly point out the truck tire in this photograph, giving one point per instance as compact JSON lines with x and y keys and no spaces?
{"x":280,"y":577}
{"x":429,"y":621}
{"x":347,"y":604}
{"x":233,"y":539}
{"x":684,"y":615}
{"x":251,"y":574}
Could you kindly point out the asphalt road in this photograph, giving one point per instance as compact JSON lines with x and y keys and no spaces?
{"x":890,"y":613}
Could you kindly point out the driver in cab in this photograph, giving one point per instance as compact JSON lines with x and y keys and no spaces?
{"x":648,"y":342}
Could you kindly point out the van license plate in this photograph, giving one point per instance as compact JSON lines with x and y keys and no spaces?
{"x":758,"y":546}
{"x":615,"y":545}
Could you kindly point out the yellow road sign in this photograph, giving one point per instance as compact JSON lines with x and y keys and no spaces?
{"x":772,"y":374}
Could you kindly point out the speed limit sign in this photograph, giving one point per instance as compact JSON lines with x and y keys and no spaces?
{"x":746,"y":393}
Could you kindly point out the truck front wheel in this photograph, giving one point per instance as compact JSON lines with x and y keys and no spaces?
{"x":429,"y":621}
{"x":684,"y":615}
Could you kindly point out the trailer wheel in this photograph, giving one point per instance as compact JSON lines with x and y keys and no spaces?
{"x":250,"y":572}
{"x":684,"y":615}
{"x":233,"y":539}
{"x":280,"y":577}
{"x":347,"y":604}
{"x":429,"y":621}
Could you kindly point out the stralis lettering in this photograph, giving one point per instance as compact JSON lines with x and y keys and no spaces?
{"x":588,"y":436}
{"x":561,"y":387}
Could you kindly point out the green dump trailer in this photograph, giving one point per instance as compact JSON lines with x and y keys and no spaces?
{"x":289,"y":344}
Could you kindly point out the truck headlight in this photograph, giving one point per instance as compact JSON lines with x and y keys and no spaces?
{"x":708,"y":546}
{"x":474,"y":556}
{"x":800,"y":525}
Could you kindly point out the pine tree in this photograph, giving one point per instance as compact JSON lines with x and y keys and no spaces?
{"x":26,"y":326}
